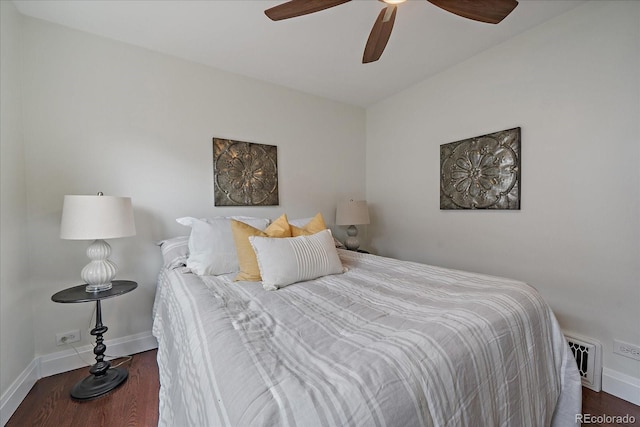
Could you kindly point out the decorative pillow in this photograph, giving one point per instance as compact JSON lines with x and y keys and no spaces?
{"x":246,"y":256}
{"x":296,"y":259}
{"x":300,"y":226}
{"x":211,"y":247}
{"x":300,"y":222}
{"x":308,"y":226}
{"x":174,"y":251}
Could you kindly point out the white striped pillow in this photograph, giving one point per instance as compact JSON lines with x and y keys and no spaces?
{"x":283,"y":261}
{"x":175,"y":251}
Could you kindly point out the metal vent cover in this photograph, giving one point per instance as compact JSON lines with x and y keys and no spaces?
{"x":588,"y":355}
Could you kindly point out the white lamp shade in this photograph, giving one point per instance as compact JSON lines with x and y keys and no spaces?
{"x":352,"y":212}
{"x":96,"y":217}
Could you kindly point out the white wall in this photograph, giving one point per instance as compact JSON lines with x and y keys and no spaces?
{"x":573,"y":85}
{"x":104,"y":116}
{"x":16,"y":324}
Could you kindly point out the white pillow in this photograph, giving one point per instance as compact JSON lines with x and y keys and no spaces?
{"x":301,"y":222}
{"x":212,"y":250}
{"x":175,"y":251}
{"x":286,"y":260}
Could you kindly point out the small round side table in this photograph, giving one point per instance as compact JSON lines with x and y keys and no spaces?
{"x":103,"y":378}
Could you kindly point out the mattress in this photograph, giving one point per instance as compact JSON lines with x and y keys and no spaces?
{"x":387,"y":343}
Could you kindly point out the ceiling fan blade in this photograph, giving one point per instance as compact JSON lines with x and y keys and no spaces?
{"x":379,"y":35}
{"x":294,"y":8}
{"x":490,"y":11}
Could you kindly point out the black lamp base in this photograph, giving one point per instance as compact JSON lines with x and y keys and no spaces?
{"x":95,"y":386}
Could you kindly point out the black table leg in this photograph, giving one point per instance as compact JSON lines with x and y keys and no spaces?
{"x":103,"y":377}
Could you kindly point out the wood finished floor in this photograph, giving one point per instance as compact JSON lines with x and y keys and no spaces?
{"x":135,"y":403}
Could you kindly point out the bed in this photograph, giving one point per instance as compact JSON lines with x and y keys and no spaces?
{"x":384,"y":343}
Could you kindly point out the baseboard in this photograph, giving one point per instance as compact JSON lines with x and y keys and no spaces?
{"x":67,"y":360}
{"x":17,"y":391}
{"x":620,"y":385}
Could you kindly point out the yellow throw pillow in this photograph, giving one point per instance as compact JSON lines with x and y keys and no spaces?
{"x":249,"y":269}
{"x":314,"y":226}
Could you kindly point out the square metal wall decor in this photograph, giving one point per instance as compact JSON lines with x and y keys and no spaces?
{"x":244,"y":173}
{"x":481,"y":172}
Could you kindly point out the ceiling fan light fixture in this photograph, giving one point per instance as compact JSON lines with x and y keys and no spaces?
{"x":489,"y":11}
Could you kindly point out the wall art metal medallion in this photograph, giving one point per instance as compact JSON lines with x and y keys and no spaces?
{"x":481,"y":172}
{"x":244,"y":173}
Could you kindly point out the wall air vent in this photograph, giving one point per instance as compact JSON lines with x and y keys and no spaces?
{"x":588,"y":354}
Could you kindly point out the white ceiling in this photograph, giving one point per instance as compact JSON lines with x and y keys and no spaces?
{"x":320,"y":53}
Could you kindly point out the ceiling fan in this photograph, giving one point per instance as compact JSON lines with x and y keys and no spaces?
{"x":489,"y":11}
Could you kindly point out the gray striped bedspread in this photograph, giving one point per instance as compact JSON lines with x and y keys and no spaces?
{"x":387,"y":343}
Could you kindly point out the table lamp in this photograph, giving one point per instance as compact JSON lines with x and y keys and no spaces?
{"x":97,"y":218}
{"x":352,"y":213}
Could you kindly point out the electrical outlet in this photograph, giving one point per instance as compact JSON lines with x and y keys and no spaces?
{"x":626,"y":349}
{"x":68,"y":337}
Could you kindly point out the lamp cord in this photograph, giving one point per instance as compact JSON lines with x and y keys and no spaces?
{"x":91,"y":323}
{"x":126,"y":358}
